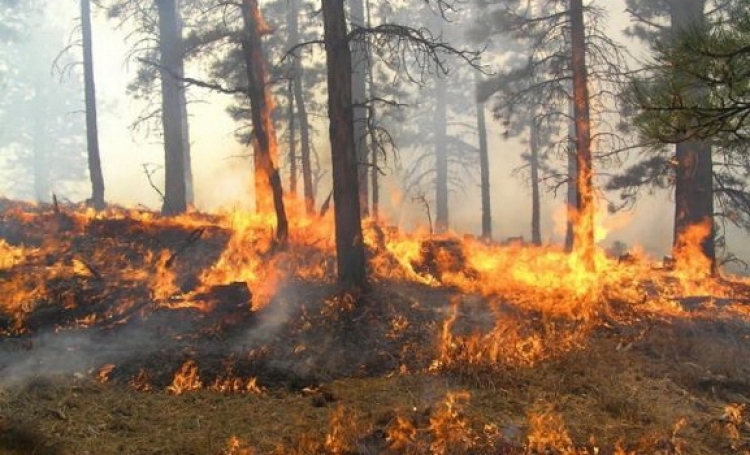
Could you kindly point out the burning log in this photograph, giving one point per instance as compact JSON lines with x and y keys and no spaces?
{"x":438,"y":257}
{"x":238,"y":294}
{"x":192,"y":238}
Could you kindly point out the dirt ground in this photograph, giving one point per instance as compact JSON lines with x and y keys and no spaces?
{"x":92,"y":361}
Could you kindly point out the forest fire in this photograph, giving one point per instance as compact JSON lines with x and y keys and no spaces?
{"x":348,"y":324}
{"x":210,"y":304}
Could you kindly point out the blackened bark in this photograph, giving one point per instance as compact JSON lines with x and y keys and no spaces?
{"x":484,"y":171}
{"x":583,"y":241}
{"x":536,"y":213}
{"x":572,"y":193}
{"x":694,"y":198}
{"x":292,"y":157}
{"x":350,"y":251}
{"x":173,"y":108}
{"x":360,"y":61}
{"x":92,"y":129}
{"x":375,"y":171}
{"x":441,"y":156}
{"x":265,"y":142}
{"x":375,"y":184}
{"x":302,"y":118}
{"x":305,"y":152}
{"x":293,"y":38}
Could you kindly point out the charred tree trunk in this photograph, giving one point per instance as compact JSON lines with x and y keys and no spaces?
{"x":174,"y":111}
{"x":583,"y":240}
{"x":360,"y":62}
{"x":302,"y":118}
{"x":694,"y":201}
{"x":536,"y":212}
{"x":264,"y":134}
{"x":441,"y":156}
{"x":374,"y":149}
{"x":305,"y":152}
{"x":694,"y":198}
{"x":293,"y":38}
{"x":350,"y":250}
{"x":292,"y":157}
{"x":375,"y":184}
{"x":484,"y":170}
{"x":92,"y":129}
{"x":572,"y":194}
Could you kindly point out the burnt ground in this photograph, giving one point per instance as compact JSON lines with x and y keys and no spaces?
{"x":90,"y":352}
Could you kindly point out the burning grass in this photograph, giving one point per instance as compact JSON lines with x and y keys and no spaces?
{"x":125,"y":332}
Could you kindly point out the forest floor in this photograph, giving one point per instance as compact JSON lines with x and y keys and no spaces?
{"x":96,"y":357}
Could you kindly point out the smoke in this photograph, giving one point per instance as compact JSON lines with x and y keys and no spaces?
{"x":76,"y":353}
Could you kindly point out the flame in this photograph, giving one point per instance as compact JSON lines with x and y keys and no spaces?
{"x":692,"y":267}
{"x":235,"y":446}
{"x":236,"y":385}
{"x":186,"y":379}
{"x":450,"y":429}
{"x":547,"y":431}
{"x":528,"y":303}
{"x":104,"y":372}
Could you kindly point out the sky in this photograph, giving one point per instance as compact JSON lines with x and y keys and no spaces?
{"x":222,"y":174}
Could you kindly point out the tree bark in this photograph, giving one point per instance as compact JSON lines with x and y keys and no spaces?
{"x":292,"y":157}
{"x":92,"y":129}
{"x":350,"y":250}
{"x":536,"y":213}
{"x":694,"y":198}
{"x":265,"y":142}
{"x":375,"y":171}
{"x":174,"y":112}
{"x":441,"y":156}
{"x":360,"y":62}
{"x":584,"y":240}
{"x":572,"y":193}
{"x":484,"y":171}
{"x":375,"y":185}
{"x":302,"y":118}
{"x":305,"y":152}
{"x":292,"y":37}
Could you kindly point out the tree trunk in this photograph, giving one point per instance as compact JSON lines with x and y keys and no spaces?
{"x":694,"y":203}
{"x":92,"y":130}
{"x":441,"y":156}
{"x":360,"y":61}
{"x":304,"y":126}
{"x":694,"y":198}
{"x":292,"y":36}
{"x":264,"y":134}
{"x":536,"y":216}
{"x":484,"y":171}
{"x":173,"y":108}
{"x":305,"y":155}
{"x":583,"y":240}
{"x":350,"y":250}
{"x":292,"y":157}
{"x":572,"y":193}
{"x":375,"y":171}
{"x":375,"y":184}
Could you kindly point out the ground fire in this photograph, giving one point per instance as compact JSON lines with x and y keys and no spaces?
{"x":127,"y":332}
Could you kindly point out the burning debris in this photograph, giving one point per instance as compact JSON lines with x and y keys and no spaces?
{"x":460,"y":347}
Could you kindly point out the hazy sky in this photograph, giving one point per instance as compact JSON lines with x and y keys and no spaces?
{"x":222,"y":178}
